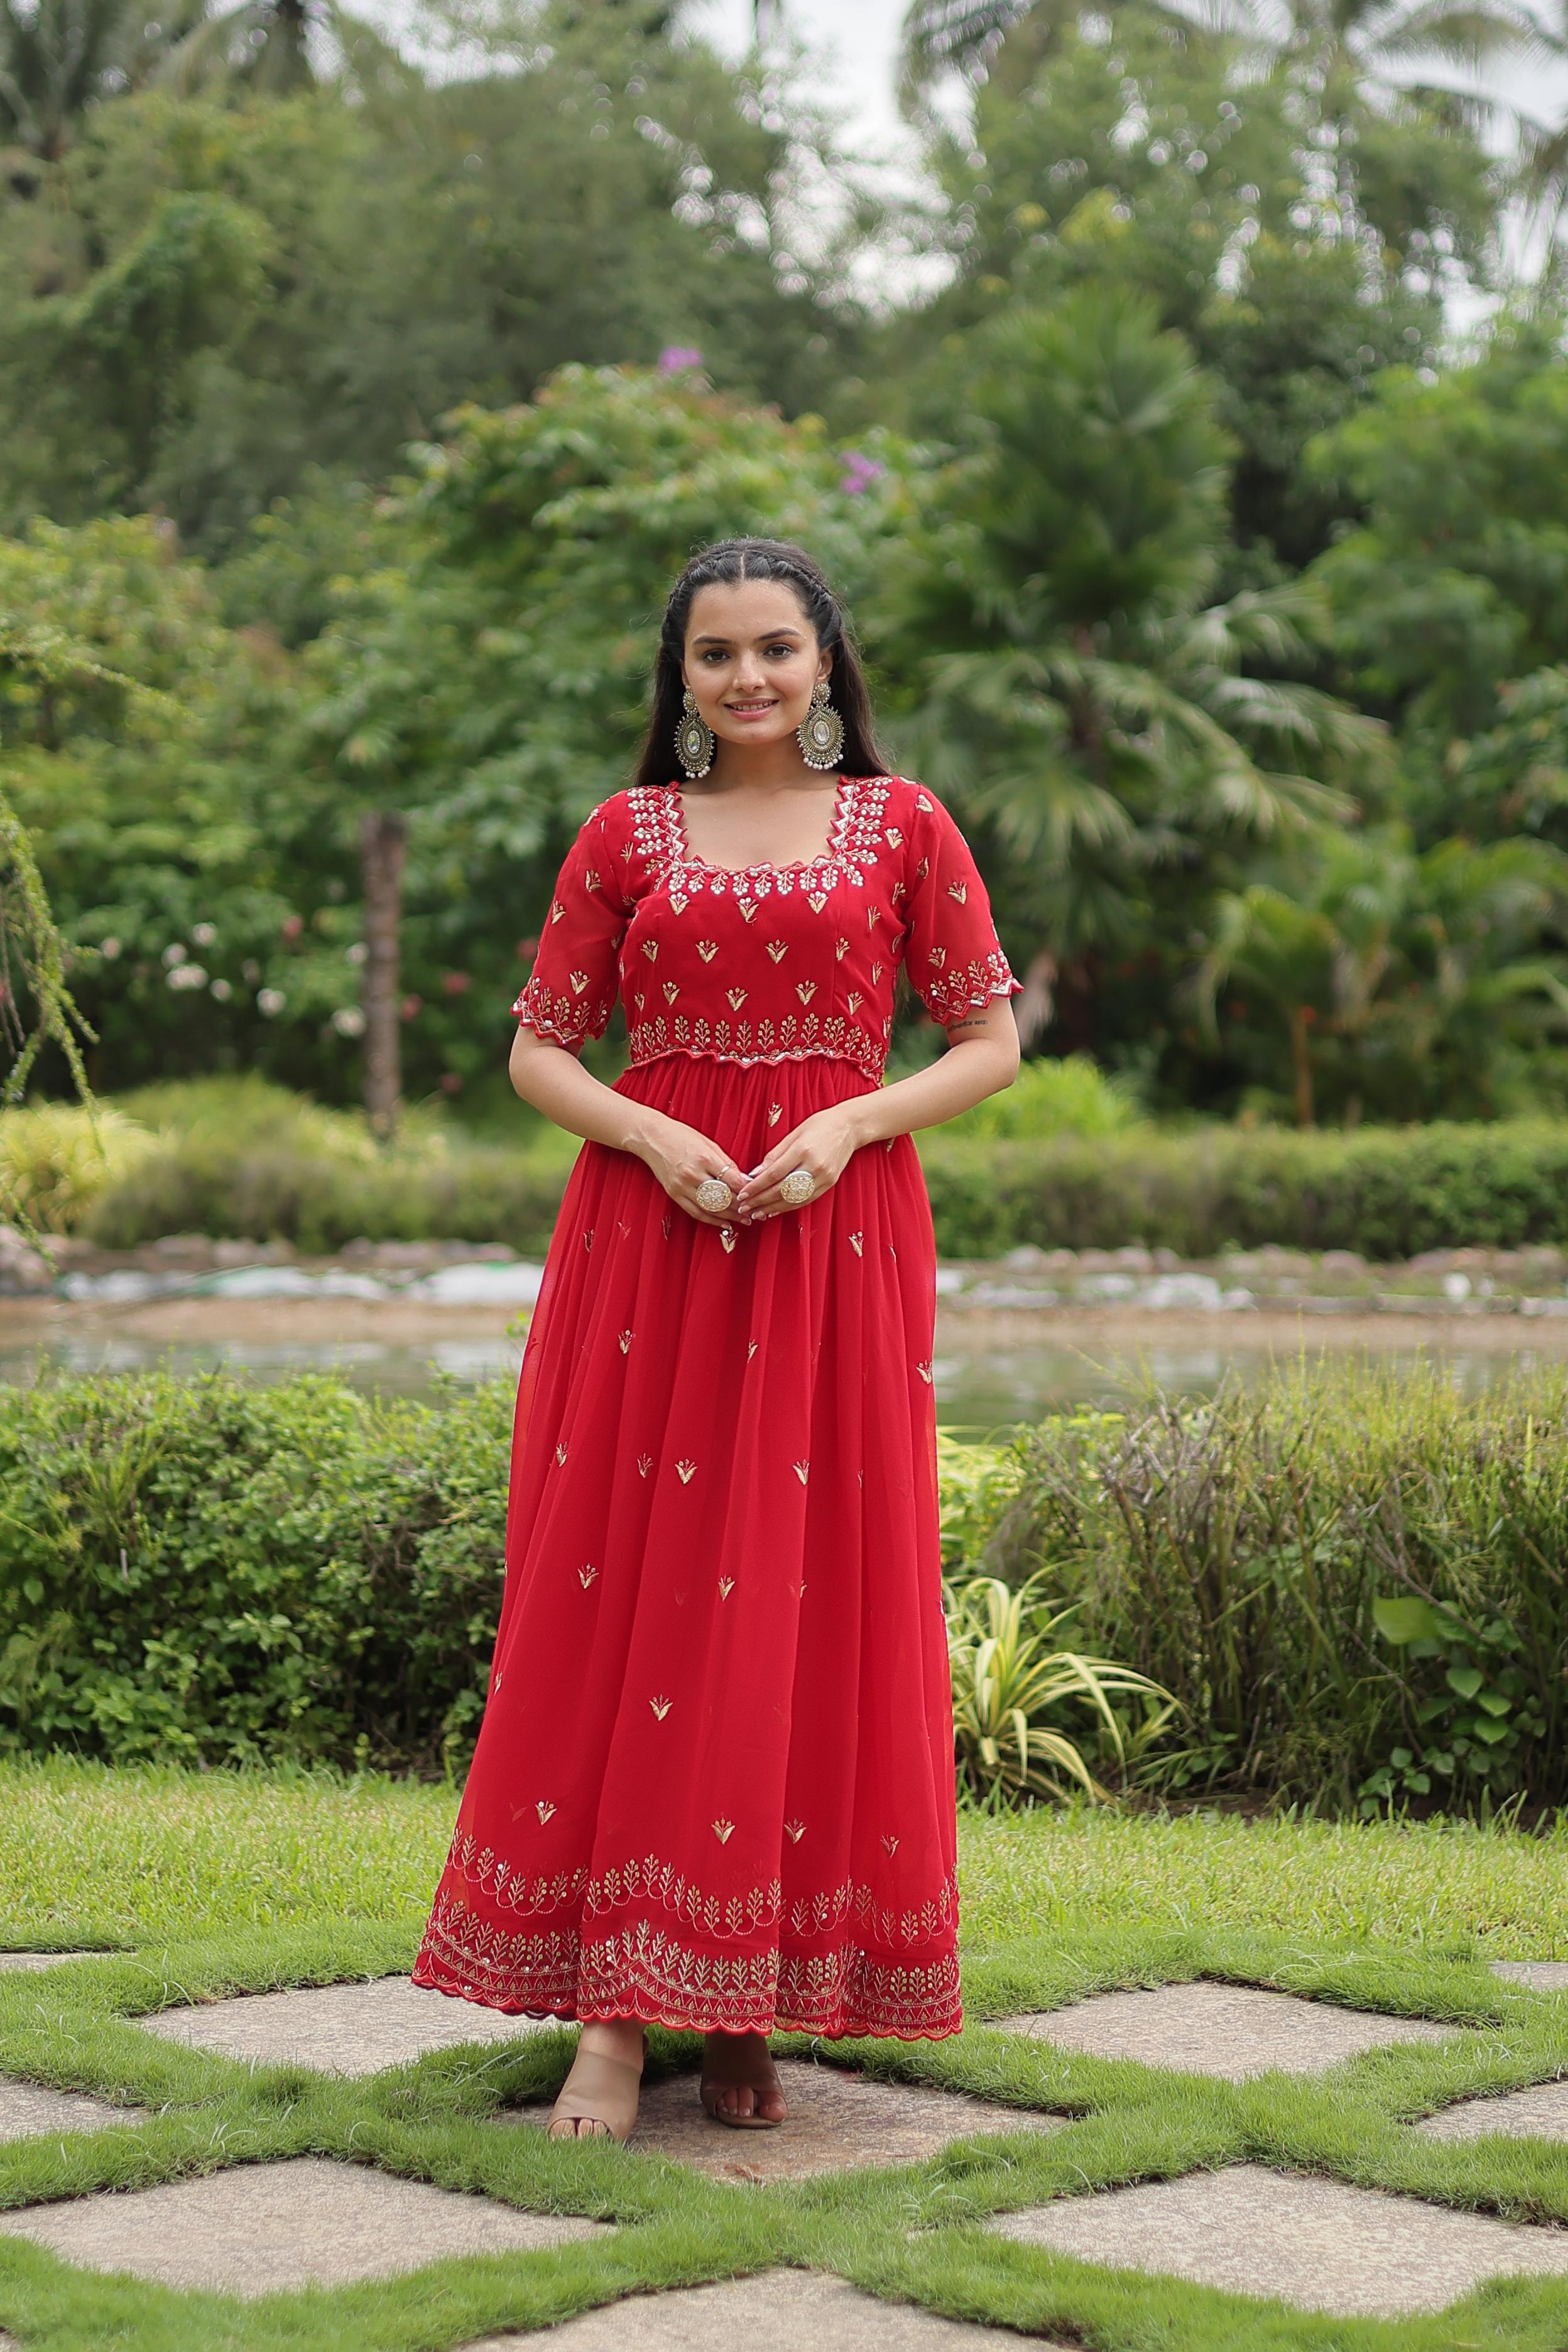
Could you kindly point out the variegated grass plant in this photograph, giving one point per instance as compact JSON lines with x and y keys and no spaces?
{"x":1013,"y":1682}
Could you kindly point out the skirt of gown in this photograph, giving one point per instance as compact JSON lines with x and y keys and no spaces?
{"x":714,"y":1782}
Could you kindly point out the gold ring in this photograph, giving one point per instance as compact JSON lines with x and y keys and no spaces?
{"x":715,"y":1194}
{"x":797,"y":1187}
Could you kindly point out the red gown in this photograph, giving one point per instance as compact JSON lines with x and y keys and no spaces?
{"x":714,"y":1782}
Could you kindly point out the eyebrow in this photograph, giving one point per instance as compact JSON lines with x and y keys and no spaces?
{"x":717,"y":637}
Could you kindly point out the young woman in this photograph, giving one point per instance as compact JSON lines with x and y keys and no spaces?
{"x":713,"y":1788}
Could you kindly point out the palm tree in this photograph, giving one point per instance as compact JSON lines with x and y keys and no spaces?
{"x":277,"y":47}
{"x":1075,"y":684}
{"x":58,"y":57}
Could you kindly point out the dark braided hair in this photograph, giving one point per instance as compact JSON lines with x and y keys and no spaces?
{"x":727,"y":563}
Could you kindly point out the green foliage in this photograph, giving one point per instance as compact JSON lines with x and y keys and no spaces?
{"x":215,"y":293}
{"x":1419,"y":982}
{"x":55,"y":1158}
{"x":203,"y":1569}
{"x":1334,"y":1577}
{"x":243,"y":1159}
{"x":1454,"y":584}
{"x":1012,"y":1690}
{"x":1048,"y":1099}
{"x":1388,"y":1193}
{"x":1069,"y":681}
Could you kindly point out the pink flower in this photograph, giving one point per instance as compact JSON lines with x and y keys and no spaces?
{"x":675,"y":357}
{"x":859,"y":471}
{"x":455,"y":983}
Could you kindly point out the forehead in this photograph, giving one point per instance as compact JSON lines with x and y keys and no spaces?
{"x":745,"y":609}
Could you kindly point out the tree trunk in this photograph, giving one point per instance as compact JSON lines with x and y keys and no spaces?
{"x":382,"y":839}
{"x":1302,"y":1065}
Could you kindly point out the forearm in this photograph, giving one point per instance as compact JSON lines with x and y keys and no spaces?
{"x":550,"y":1078}
{"x":981,"y":1059}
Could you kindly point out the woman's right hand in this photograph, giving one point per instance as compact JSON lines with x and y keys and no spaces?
{"x":681,"y":1158}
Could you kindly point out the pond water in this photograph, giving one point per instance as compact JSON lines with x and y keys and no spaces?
{"x":981,"y":1385}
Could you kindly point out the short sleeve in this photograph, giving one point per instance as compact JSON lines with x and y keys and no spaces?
{"x":952,"y":952}
{"x":570,"y":993}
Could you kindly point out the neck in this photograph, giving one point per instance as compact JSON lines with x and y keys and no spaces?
{"x":762,"y":767}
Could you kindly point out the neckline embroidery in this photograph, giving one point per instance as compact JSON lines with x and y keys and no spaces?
{"x":827,"y":856}
{"x":854,"y":842}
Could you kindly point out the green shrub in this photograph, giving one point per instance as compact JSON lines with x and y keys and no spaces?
{"x":209,"y":1570}
{"x":1051,"y":1099}
{"x":1352,"y":1582}
{"x":1061,"y":1159}
{"x":244,"y":1160}
{"x":1385,"y":1191}
{"x":55,"y":1158}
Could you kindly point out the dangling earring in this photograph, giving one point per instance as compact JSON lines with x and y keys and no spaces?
{"x":821,"y":732}
{"x":693,"y":738}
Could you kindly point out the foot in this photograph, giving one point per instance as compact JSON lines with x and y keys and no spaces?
{"x":740,"y":2081}
{"x":598,"y":2100}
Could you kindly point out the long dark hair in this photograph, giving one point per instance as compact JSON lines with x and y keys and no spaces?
{"x":728,"y":563}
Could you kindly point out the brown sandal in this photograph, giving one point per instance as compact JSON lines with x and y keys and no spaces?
{"x":713,"y":2083}
{"x":599,"y":2090}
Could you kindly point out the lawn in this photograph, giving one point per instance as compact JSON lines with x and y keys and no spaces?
{"x":195,"y":1883}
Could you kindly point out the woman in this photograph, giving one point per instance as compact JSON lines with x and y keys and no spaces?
{"x":713,"y":1788}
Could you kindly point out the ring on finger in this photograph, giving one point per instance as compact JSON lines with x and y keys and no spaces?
{"x":797,"y":1187}
{"x":714,"y":1195}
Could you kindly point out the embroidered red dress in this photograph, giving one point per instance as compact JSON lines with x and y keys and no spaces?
{"x":714,"y":1782}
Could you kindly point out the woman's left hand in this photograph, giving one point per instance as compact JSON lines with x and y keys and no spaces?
{"x":822,"y":1144}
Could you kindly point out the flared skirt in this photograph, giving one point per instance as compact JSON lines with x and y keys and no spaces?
{"x":713,"y":1785}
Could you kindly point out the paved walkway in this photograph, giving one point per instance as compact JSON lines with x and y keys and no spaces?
{"x":1323,"y":2245}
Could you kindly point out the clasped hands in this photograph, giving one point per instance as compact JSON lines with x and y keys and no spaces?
{"x":683,"y":1158}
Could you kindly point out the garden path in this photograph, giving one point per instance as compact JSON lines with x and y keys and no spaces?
{"x":394,"y":2144}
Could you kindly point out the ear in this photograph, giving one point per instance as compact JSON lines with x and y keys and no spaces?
{"x":825,"y":662}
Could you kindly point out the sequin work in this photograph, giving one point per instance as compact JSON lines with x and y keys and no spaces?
{"x":714,"y":1784}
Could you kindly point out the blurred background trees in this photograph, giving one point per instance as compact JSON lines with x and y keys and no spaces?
{"x":1201,"y":500}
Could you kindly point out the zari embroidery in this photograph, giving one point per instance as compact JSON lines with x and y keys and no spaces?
{"x":658,"y":836}
{"x":646,"y":1970}
{"x":949,"y":994}
{"x":656,"y":1882}
{"x":792,"y":1039}
{"x":538,"y":1008}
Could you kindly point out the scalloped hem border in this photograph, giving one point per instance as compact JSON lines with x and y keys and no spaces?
{"x":862,"y":2032}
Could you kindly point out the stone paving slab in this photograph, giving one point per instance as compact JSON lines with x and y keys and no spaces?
{"x":26,"y":2109}
{"x":1352,"y":2252}
{"x":1540,"y":1976}
{"x":260,"y":2229}
{"x":1234,"y":2031}
{"x":341,"y":2029}
{"x":782,"y":2311}
{"x":47,"y":1959}
{"x":1540,"y":2112}
{"x":836,"y":2119}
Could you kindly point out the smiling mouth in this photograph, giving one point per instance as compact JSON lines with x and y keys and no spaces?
{"x":750,"y":710}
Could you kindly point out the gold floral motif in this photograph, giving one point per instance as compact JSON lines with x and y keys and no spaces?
{"x":969,"y":985}
{"x":554,"y":1974}
{"x":720,"y":1918}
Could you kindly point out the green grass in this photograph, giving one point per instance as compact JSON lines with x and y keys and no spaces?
{"x":217,"y":1883}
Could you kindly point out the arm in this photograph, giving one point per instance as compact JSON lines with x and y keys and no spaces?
{"x":549,"y":1075}
{"x":981,"y":1058}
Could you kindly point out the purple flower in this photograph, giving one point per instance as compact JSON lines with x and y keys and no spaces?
{"x":675,"y":357}
{"x":859,"y":471}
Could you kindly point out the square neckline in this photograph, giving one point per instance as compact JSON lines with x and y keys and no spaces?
{"x":827,"y":856}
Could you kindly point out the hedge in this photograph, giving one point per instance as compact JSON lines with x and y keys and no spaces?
{"x":1353,"y":1584}
{"x":1387,"y":1192}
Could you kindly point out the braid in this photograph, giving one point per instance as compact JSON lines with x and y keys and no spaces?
{"x":726,"y":564}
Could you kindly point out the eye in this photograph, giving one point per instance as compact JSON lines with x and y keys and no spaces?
{"x":782,"y":651}
{"x":714,"y":654}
